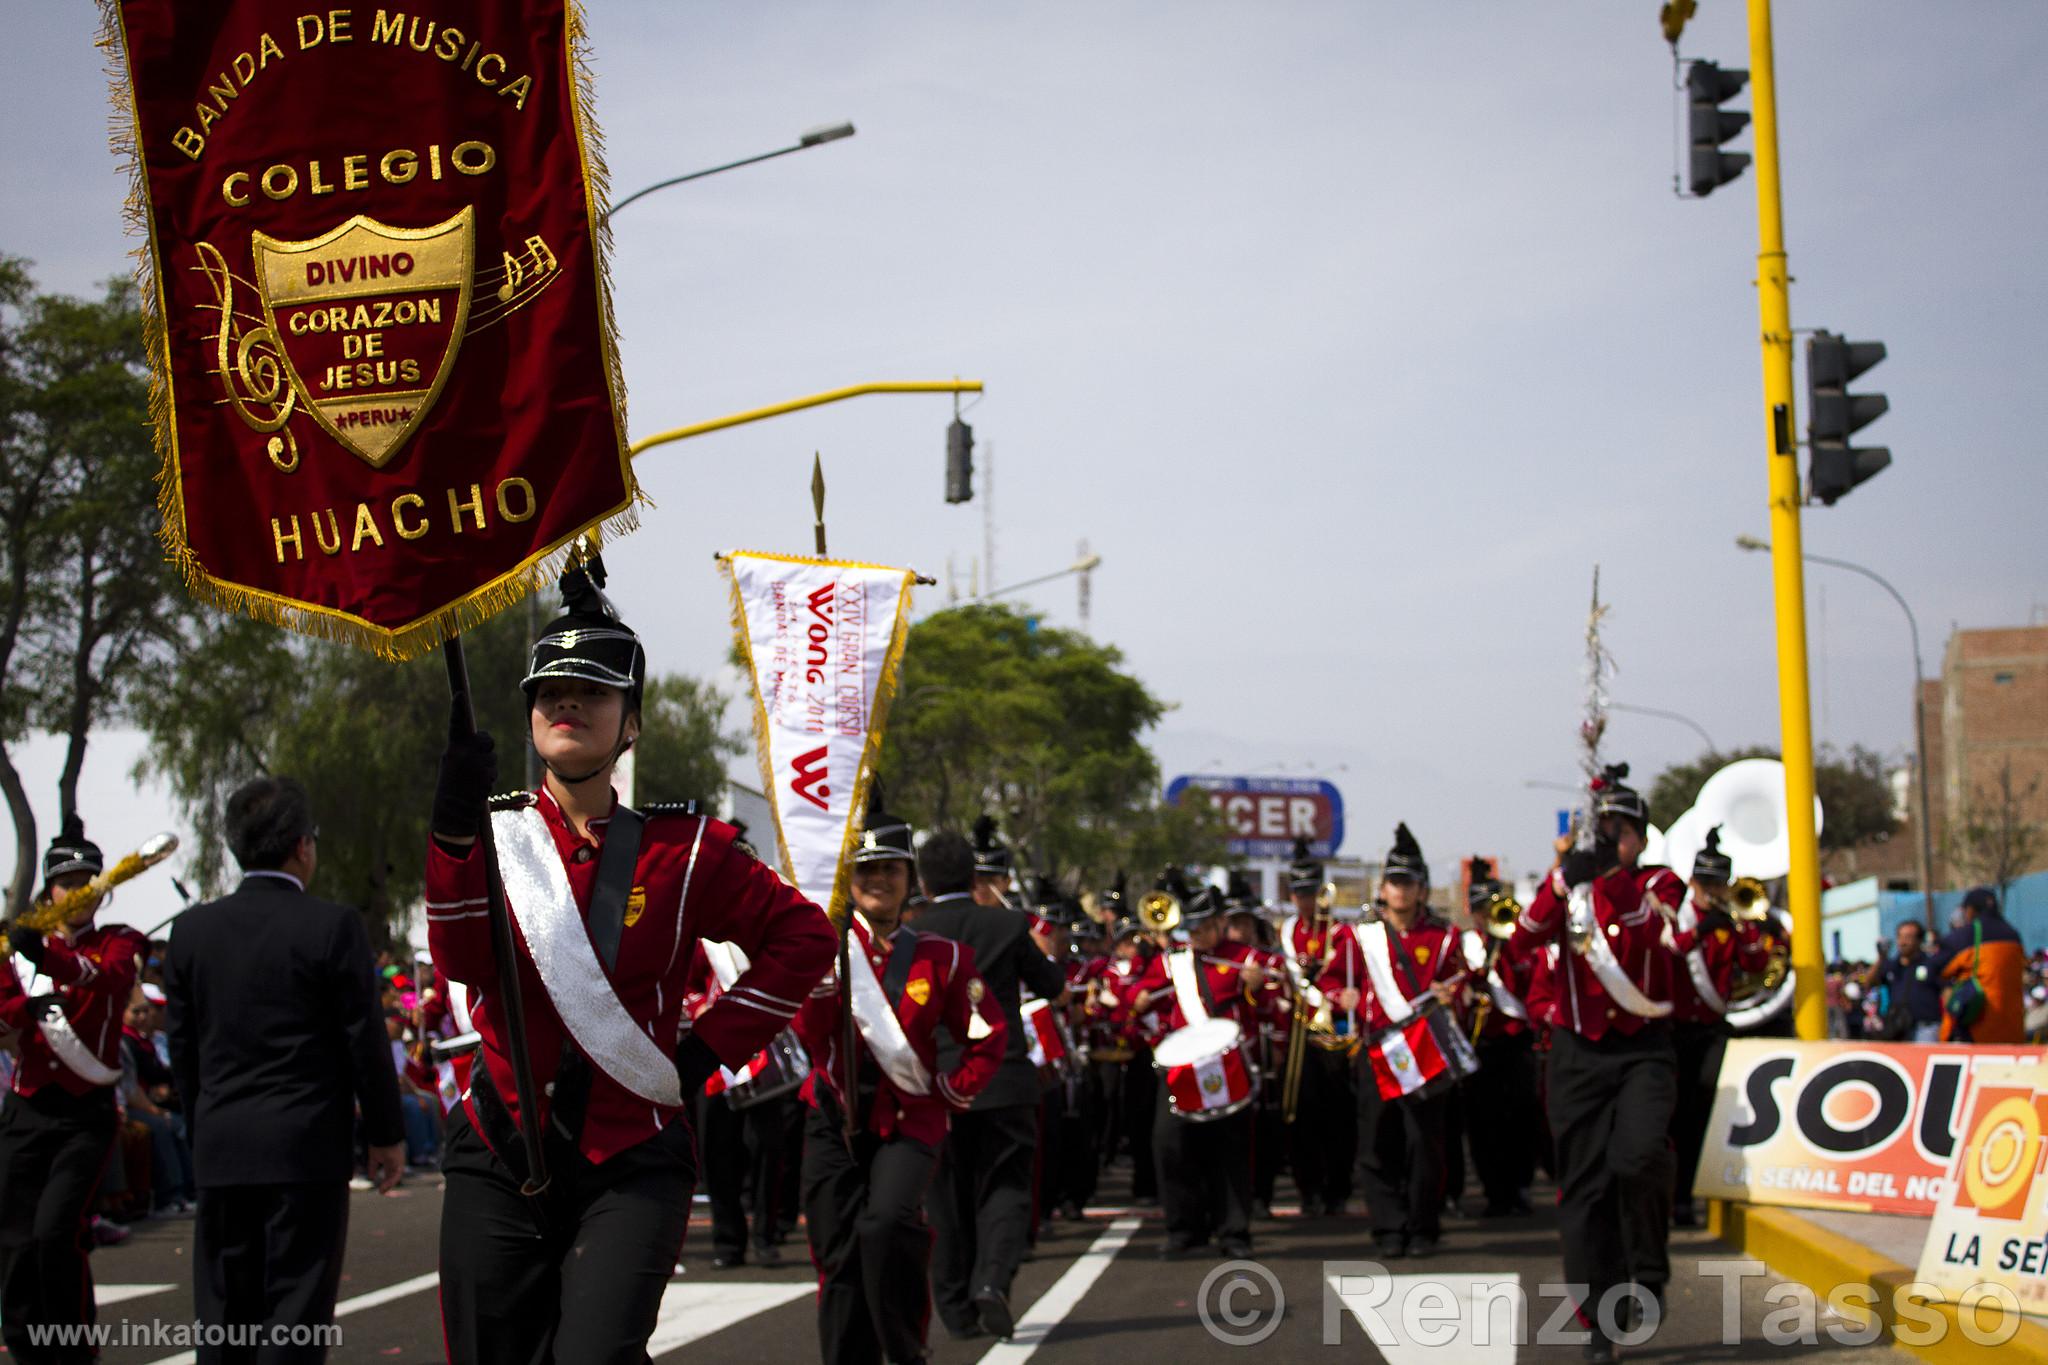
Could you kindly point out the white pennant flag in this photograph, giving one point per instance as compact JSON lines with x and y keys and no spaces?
{"x":824,"y":643}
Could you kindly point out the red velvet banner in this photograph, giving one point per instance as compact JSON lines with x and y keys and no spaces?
{"x":387,"y":394}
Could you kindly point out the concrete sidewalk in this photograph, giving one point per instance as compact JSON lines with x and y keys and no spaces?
{"x":1879,"y":1253}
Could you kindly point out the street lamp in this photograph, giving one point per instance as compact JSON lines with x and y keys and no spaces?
{"x":816,"y":137}
{"x":1697,"y":728}
{"x":1919,"y":711}
{"x":1081,"y":565}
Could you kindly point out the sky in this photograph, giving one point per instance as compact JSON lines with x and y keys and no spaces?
{"x":1352,"y":336}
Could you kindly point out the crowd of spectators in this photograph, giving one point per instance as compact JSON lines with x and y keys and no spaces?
{"x":1974,"y":984}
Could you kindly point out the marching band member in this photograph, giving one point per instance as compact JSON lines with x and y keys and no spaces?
{"x":1246,"y":924}
{"x":1501,"y":1098}
{"x":1323,"y":1146}
{"x":1205,"y":1168}
{"x":1714,"y":951}
{"x":1410,"y":957}
{"x":607,"y":906}
{"x":864,"y":1195}
{"x":1132,"y":1035}
{"x":980,"y":1203}
{"x":992,"y":877}
{"x":59,"y":1122}
{"x":1071,"y":1111}
{"x":1612,"y":1078}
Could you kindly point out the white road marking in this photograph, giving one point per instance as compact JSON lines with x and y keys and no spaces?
{"x":1053,"y":1306}
{"x":1411,"y":1318}
{"x":690,"y":1311}
{"x":104,"y":1294}
{"x":403,"y":1289}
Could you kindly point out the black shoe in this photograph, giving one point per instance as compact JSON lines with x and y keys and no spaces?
{"x":994,"y":1308}
{"x":1600,"y":1351}
{"x":1630,"y":1310}
{"x":1494,"y":1210}
{"x":1520,"y":1208}
{"x":728,"y":1260}
{"x":765,"y":1254}
{"x":1421,"y":1245}
{"x":965,"y":1331}
{"x":1685,"y":1215}
{"x":1261,"y":1209}
{"x":1237,"y":1249}
{"x":1176,"y":1249}
{"x":1391,"y":1246}
{"x":1071,"y":1210}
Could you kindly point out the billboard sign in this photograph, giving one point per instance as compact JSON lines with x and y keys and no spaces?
{"x":1266,"y":815}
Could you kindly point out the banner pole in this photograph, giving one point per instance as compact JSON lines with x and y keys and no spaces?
{"x":849,"y":1038}
{"x":504,"y":955}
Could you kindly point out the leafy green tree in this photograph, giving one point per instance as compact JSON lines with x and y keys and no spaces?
{"x":683,"y":746}
{"x":89,"y":608}
{"x":1042,"y":728}
{"x":1853,"y":788}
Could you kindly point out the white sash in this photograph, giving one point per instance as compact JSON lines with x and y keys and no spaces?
{"x":1180,"y":966}
{"x":879,"y":1027}
{"x":1593,"y":946}
{"x":1379,"y":970}
{"x":1504,"y":999}
{"x":537,"y":885}
{"x":70,"y":1049}
{"x":1695,"y":964}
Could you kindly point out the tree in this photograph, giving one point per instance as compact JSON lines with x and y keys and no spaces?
{"x":683,"y":746}
{"x":365,"y":736}
{"x":89,"y":606}
{"x":1996,"y":841}
{"x":1851,"y":784}
{"x":1042,"y":728}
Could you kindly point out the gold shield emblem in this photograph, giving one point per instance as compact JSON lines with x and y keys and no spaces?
{"x":919,"y":990}
{"x":636,"y":905}
{"x":369,"y":318}
{"x":1421,"y":953}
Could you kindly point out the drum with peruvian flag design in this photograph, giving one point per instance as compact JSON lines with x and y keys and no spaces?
{"x":1208,"y":1071}
{"x":1418,"y":1059}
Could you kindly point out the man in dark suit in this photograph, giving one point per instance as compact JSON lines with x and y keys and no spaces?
{"x":275,"y":1037}
{"x":980,"y":1202}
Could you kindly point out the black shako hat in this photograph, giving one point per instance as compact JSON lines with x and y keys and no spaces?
{"x":1110,"y":901}
{"x":1711,"y":862}
{"x":1306,"y":872}
{"x":1240,"y":896}
{"x":1405,"y":859}
{"x":1612,"y":796}
{"x":991,"y":858}
{"x":1480,"y":883}
{"x":885,"y":837}
{"x":72,"y":852}
{"x":588,"y":640}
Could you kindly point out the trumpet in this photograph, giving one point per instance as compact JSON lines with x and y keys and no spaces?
{"x":1159,"y":911}
{"x":1326,"y":896}
{"x":1502,"y":910}
{"x":60,"y":910}
{"x":1747,"y":899}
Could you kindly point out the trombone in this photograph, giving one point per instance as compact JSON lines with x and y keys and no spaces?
{"x":1301,"y":1018}
{"x":1502,"y":910}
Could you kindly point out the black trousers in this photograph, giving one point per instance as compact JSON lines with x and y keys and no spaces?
{"x":1324,"y":1144}
{"x":739,"y":1149}
{"x":269,"y":1256}
{"x":1269,"y":1141}
{"x":573,"y":1277}
{"x":864,"y":1212}
{"x":1073,"y":1127}
{"x":1205,"y":1176}
{"x":1610,"y":1114}
{"x":980,"y":1205}
{"x":1141,"y":1091}
{"x":1503,"y":1118}
{"x":54,"y":1148}
{"x":1698,"y":1047}
{"x":1401,"y":1147}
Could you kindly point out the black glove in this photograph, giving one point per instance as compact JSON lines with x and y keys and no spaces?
{"x":1582,"y":865}
{"x":26,"y":941}
{"x":469,"y":769}
{"x":39,"y":1005}
{"x":696,"y":1063}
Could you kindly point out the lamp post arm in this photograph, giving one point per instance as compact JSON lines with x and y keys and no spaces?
{"x":798,"y":404}
{"x":699,"y":175}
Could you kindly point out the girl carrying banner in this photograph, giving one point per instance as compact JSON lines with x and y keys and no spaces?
{"x":607,"y":906}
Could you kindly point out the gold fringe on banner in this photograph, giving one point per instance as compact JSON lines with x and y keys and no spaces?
{"x":538,"y":571}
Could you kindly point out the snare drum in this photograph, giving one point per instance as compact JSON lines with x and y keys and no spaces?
{"x":1044,"y":1043}
{"x":1208,"y":1070}
{"x":776,"y":1070}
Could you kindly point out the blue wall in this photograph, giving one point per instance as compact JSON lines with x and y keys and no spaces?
{"x":2026,"y":906}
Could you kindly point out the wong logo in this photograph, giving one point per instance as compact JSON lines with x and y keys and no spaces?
{"x":809,"y":781}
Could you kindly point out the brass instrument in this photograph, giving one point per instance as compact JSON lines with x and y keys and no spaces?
{"x":1502,"y":910}
{"x":1326,"y":896}
{"x":1159,"y":912}
{"x":62,"y":909}
{"x":1747,"y":899}
{"x":1311,"y":1018}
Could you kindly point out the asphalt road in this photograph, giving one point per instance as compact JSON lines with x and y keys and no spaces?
{"x":1094,"y":1291}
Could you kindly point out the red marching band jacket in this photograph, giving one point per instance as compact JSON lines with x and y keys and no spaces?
{"x":1519,"y":970}
{"x":93,"y":977}
{"x":1727,"y":951}
{"x":689,"y":883}
{"x":1221,"y":973}
{"x":942,"y":989}
{"x":1433,"y":953}
{"x":1625,"y":912}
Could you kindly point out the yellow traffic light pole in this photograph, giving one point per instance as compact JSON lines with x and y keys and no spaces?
{"x":1795,"y":709}
{"x":799,"y":404}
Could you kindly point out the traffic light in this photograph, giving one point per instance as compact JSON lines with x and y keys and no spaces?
{"x":959,"y":462}
{"x":1833,"y":414}
{"x":1707,"y":86}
